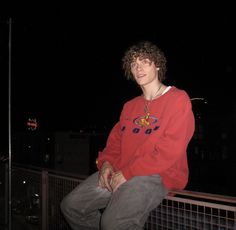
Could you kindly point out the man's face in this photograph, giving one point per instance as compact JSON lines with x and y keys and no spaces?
{"x":144,"y":71}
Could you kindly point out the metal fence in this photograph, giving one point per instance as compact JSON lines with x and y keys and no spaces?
{"x":37,"y":195}
{"x":186,"y":213}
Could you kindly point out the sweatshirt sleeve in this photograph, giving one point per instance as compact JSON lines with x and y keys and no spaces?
{"x":112,"y":150}
{"x":162,"y":151}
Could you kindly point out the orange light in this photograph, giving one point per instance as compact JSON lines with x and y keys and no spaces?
{"x":32,"y":124}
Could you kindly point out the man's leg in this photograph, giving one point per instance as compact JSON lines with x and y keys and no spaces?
{"x":131,"y":204}
{"x":81,"y":206}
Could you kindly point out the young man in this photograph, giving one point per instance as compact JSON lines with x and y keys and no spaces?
{"x":145,"y":155}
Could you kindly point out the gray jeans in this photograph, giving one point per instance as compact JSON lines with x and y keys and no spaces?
{"x":125,"y":209}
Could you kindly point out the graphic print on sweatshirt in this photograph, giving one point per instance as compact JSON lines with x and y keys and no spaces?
{"x":145,"y":124}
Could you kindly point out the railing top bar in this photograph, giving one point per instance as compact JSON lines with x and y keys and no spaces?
{"x":48,"y":170}
{"x":58,"y":176}
{"x":208,"y":204}
{"x":208,"y":196}
{"x":185,"y":193}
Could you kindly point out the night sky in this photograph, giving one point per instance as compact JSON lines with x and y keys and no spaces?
{"x":66,"y":60}
{"x":66,"y":71}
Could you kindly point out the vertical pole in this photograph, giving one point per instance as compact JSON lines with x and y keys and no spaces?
{"x":9,"y":124}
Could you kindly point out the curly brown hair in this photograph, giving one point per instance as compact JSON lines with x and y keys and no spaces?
{"x":142,"y":50}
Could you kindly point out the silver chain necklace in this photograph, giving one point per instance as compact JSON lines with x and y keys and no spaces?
{"x":144,"y":122}
{"x":147,"y":103}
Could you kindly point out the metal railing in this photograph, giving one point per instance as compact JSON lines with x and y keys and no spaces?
{"x":37,"y":194}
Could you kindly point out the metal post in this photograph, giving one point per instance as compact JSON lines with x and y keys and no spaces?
{"x":9,"y":125}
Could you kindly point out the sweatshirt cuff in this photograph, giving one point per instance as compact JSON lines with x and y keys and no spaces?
{"x":99,"y":163}
{"x":127,"y":173}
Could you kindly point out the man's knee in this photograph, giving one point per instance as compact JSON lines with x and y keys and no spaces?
{"x":67,"y":205}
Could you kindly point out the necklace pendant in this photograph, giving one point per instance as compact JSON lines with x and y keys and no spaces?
{"x":147,"y":116}
{"x":144,"y":122}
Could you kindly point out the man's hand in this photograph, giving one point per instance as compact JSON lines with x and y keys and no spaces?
{"x":105,"y":176}
{"x":117,"y":180}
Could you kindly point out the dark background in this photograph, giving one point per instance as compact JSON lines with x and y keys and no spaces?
{"x":66,"y":67}
{"x":66,"y":62}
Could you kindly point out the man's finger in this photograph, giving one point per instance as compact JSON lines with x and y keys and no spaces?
{"x":107,"y":184}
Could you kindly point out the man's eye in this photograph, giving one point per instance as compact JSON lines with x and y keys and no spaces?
{"x":133,"y":65}
{"x":146,"y":62}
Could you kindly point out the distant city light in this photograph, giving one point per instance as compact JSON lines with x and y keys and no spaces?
{"x":199,"y":99}
{"x":32,"y":124}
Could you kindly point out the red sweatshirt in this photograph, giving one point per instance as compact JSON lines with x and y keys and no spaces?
{"x":160,"y":146}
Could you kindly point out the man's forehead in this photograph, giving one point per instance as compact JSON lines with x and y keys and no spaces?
{"x":140,"y":58}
